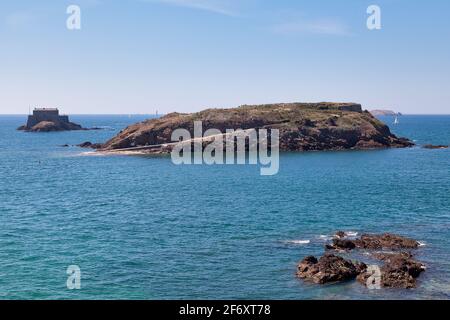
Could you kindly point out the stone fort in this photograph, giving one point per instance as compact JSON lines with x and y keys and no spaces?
{"x":46,"y":114}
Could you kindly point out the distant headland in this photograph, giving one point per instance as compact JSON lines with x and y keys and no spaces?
{"x":47,"y":120}
{"x":302,"y":127}
{"x":377,"y":113}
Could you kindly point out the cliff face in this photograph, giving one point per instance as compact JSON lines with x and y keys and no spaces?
{"x":302,"y":126}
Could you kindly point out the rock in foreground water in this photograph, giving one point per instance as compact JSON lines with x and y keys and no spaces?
{"x":329,"y":268}
{"x":374,"y":241}
{"x":399,"y":269}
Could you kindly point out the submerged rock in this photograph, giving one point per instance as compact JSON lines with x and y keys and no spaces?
{"x":430,"y":146}
{"x":90,"y":145}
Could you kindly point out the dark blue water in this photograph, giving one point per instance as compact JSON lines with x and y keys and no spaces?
{"x":143,"y":228}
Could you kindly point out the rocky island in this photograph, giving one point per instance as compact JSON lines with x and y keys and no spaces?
{"x":47,"y":120}
{"x":302,"y":127}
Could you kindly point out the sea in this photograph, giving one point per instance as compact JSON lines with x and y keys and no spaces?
{"x":140,"y":227}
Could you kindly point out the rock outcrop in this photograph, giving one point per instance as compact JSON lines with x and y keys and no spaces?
{"x":399,"y":269}
{"x":329,"y":268}
{"x":89,"y":145}
{"x":302,"y":127}
{"x":51,"y":126}
{"x":385,"y":241}
{"x":341,"y":244}
{"x":374,"y":241}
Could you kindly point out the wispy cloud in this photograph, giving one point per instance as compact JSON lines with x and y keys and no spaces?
{"x":216,"y":6}
{"x":323,"y":26}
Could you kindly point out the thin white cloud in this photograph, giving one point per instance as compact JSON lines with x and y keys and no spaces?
{"x":216,"y":6}
{"x":324,"y":26}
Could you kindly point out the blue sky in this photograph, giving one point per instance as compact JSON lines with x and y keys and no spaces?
{"x":139,"y":56}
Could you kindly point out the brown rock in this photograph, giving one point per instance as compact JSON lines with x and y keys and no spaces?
{"x":341,"y":244}
{"x":386,"y":241}
{"x":367,"y":241}
{"x":386,"y":256}
{"x":329,"y":268}
{"x":400,"y":270}
{"x":90,"y":145}
{"x":51,"y":126}
{"x":403,"y":261}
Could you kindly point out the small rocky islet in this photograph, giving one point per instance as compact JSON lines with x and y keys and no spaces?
{"x":398,"y":269}
{"x":49,"y":120}
{"x":302,"y":127}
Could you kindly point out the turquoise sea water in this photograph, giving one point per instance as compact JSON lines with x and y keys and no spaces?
{"x":143,"y":228}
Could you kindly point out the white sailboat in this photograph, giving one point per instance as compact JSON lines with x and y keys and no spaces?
{"x":396,"y":119}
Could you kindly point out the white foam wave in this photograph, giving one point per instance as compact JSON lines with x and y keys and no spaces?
{"x":351,"y":233}
{"x":91,"y":154}
{"x":297,"y":241}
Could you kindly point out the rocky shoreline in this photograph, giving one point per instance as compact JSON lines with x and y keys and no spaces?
{"x":398,"y":267}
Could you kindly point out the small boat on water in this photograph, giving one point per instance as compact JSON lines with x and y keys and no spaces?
{"x":396,"y":121}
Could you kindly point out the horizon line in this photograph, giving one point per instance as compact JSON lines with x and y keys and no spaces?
{"x":162,"y":114}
